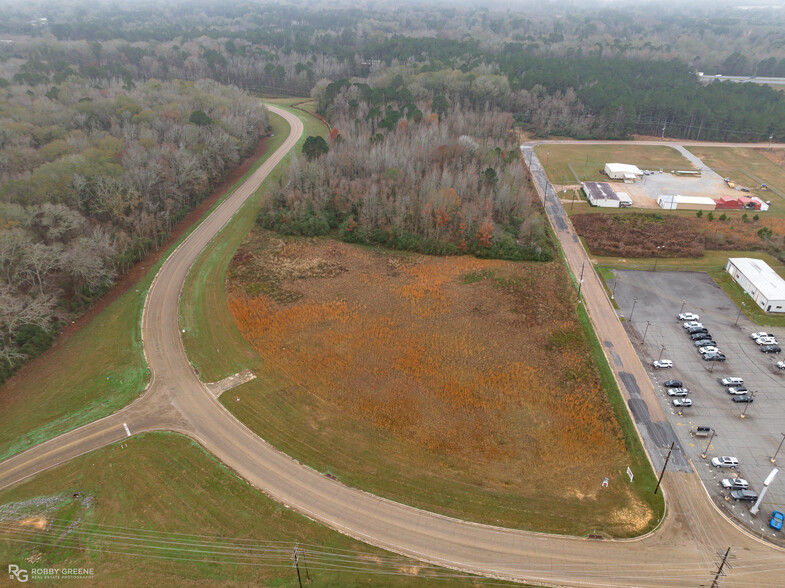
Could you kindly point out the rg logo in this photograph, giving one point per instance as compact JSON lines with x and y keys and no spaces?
{"x":17,"y":573}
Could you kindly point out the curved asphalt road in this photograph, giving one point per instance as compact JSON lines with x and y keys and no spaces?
{"x":682,"y":552}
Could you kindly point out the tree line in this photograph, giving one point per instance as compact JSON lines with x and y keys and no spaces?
{"x":92,"y":179}
{"x":426,"y":176}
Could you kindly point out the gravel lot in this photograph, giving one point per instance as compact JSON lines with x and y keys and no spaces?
{"x":754,"y":438}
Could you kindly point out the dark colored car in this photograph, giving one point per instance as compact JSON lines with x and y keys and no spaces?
{"x":747,"y":495}
{"x":743,"y":398}
{"x":673,"y":384}
{"x":714,"y":357}
{"x":693,"y":330}
{"x":770,"y":348}
{"x":705,"y":343}
{"x":699,"y":336}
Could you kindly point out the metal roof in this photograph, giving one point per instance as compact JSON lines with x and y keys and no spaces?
{"x":599,"y":191}
{"x":623,"y":168}
{"x":759,"y":273}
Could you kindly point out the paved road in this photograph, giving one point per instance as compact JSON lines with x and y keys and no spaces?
{"x":682,"y":552}
{"x":743,"y":79}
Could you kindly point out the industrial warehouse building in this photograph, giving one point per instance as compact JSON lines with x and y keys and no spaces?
{"x":762,"y":283}
{"x":686,"y":203}
{"x":622,"y":171}
{"x":602,"y":194}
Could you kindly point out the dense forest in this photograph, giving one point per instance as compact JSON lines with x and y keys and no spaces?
{"x":92,"y":179}
{"x":430,"y":178}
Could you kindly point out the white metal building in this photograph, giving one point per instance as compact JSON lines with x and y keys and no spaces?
{"x":622,"y":171}
{"x":686,"y":202}
{"x":602,"y":194}
{"x":763,"y":284}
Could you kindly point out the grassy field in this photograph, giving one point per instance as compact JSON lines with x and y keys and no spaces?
{"x":158,"y":510}
{"x":446,"y":439}
{"x":214,"y":345}
{"x":587,"y":160}
{"x":766,"y":165}
{"x":96,"y":372}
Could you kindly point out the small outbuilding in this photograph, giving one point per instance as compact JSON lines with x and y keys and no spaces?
{"x":622,"y":171}
{"x":602,"y":194}
{"x":686,"y":202}
{"x":763,"y":284}
{"x":741,"y":203}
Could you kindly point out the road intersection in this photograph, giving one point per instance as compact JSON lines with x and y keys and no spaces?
{"x":681,"y":552}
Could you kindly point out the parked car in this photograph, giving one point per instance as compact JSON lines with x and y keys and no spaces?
{"x":732,"y":381}
{"x":691,"y":324}
{"x":714,"y":357}
{"x":702,"y":342}
{"x":699,"y":336}
{"x":770,"y":348}
{"x":673,"y":384}
{"x":743,"y":398}
{"x":746,"y":495}
{"x":725,"y":461}
{"x":737,"y":390}
{"x":776,"y":520}
{"x":734,"y":484}
{"x":682,"y":402}
{"x":678,"y":391}
{"x":694,"y":330}
{"x":662,"y":363}
{"x":766,"y":341}
{"x":688,"y":316}
{"x":781,"y":365}
{"x":758,"y":335}
{"x":708,"y":349}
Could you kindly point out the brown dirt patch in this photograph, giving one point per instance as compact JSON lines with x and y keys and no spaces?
{"x":482,"y":361}
{"x":39,"y":523}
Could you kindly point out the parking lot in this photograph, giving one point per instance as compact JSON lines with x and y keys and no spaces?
{"x":650,"y":302}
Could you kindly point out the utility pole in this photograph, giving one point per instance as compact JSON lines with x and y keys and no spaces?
{"x":665,"y":465}
{"x":663,"y":131}
{"x":774,"y":458}
{"x":657,"y":259}
{"x":706,"y":451}
{"x":770,"y":138}
{"x":613,"y":292}
{"x":580,"y":282}
{"x":723,"y":563}
{"x":296,"y":564}
{"x":634,"y":301}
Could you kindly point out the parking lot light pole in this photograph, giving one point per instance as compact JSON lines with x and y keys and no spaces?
{"x":683,"y":302}
{"x":648,"y":324}
{"x":656,"y":259}
{"x":738,"y":315}
{"x":613,"y":292}
{"x":747,"y":405}
{"x":662,"y":348}
{"x":706,"y":451}
{"x":634,"y":301}
{"x":769,"y":479}
{"x":774,"y":458}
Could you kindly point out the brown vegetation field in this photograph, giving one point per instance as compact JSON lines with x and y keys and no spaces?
{"x":452,"y":369}
{"x":640,"y":234}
